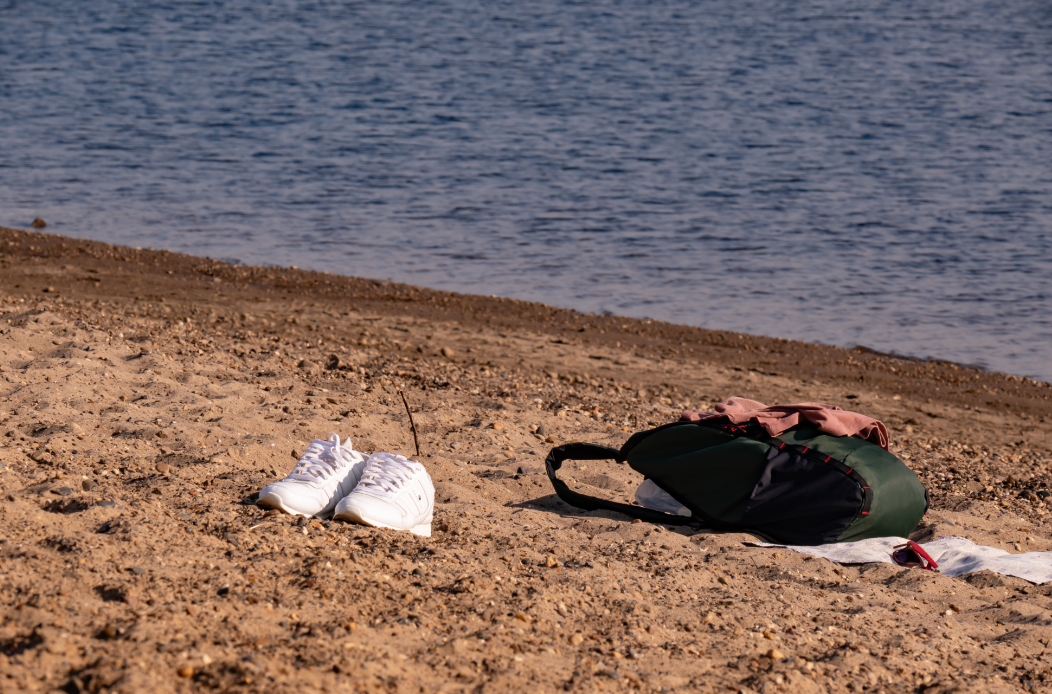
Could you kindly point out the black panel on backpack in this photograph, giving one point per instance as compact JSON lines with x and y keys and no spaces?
{"x":784,"y":504}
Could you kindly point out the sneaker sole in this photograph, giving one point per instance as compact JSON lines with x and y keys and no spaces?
{"x":423,"y":530}
{"x":272,"y":500}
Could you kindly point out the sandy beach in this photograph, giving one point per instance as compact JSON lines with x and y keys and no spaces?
{"x":146,"y":396}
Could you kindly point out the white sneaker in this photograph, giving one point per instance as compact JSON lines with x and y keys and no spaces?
{"x":394,"y":493}
{"x":326,"y":473}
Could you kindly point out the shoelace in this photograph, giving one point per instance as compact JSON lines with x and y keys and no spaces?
{"x":386,"y":472}
{"x":323,"y":458}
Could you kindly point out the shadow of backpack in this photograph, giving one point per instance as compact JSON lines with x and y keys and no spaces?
{"x":801,"y":487}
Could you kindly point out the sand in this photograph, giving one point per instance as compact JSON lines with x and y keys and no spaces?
{"x":145,"y":397}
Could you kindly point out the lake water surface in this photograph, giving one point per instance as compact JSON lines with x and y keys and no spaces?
{"x":837,"y":172}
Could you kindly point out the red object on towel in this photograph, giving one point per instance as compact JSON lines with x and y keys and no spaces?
{"x":776,"y":419}
{"x":911,"y":555}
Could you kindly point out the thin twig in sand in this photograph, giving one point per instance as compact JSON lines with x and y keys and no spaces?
{"x":412,"y":424}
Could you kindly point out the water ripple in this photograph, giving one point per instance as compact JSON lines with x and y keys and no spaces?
{"x":828,"y":170}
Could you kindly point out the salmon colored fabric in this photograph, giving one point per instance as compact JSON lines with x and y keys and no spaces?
{"x":778,"y":418}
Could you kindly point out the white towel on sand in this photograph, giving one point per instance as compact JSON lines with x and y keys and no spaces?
{"x":954,"y":555}
{"x":654,"y":497}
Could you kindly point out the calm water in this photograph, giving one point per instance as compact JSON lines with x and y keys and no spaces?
{"x":840,"y":172}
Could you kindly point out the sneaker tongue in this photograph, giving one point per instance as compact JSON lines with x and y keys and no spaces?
{"x":318,"y":461}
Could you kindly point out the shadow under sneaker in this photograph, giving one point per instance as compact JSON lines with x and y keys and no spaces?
{"x":325,"y":473}
{"x":394,"y":493}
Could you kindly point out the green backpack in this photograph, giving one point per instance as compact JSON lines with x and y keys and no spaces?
{"x":802,"y":487}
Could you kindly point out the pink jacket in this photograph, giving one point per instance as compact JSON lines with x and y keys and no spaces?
{"x":778,"y":418}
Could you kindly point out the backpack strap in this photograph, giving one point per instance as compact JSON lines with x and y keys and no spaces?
{"x":590,"y":451}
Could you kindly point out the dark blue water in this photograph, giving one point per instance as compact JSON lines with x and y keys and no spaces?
{"x":841,"y":172}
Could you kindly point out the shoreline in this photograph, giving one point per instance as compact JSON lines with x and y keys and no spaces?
{"x":147,"y":395}
{"x":893,"y":372}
